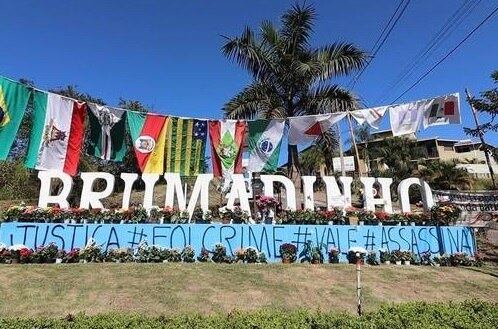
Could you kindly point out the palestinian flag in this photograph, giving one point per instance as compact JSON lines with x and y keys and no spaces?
{"x":442,"y":111}
{"x":265,"y":139}
{"x":14,"y":99}
{"x":186,"y":146}
{"x":226,"y":138}
{"x":305,"y":129}
{"x":57,"y":133}
{"x":107,"y":132}
{"x":148,"y":134}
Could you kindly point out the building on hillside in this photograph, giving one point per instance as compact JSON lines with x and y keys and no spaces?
{"x":466,"y":153}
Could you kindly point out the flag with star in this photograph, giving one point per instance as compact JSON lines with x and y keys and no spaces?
{"x":14,"y":99}
{"x":186,"y":146}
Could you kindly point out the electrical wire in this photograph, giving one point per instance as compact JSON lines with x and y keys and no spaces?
{"x":447,"y":55}
{"x":425,"y":53}
{"x":378,"y":45}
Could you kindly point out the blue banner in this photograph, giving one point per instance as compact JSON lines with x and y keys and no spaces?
{"x":266,"y":238}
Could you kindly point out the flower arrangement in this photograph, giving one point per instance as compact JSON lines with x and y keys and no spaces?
{"x":288,"y":252}
{"x":445,"y":213}
{"x":204,"y":256}
{"x":266,"y":202}
{"x":356,"y":254}
{"x":371,"y":258}
{"x":385,"y":256}
{"x":334,"y":255}
{"x":188,"y":254}
{"x":251,"y":255}
{"x":220,"y":254}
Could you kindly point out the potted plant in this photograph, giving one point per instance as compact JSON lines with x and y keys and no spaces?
{"x":251,"y":255}
{"x":288,"y":252}
{"x":367,"y":217}
{"x":188,"y":254}
{"x":371,"y":258}
{"x":204,"y":256}
{"x":356,"y":254}
{"x":240,"y":255}
{"x":407,"y":257}
{"x":352,"y":215}
{"x":385,"y":257}
{"x":226,"y":215}
{"x":239,"y":216}
{"x":397,"y":257}
{"x":445,"y":213}
{"x":334,"y":255}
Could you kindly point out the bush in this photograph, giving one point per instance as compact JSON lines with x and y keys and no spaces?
{"x":470,"y":314}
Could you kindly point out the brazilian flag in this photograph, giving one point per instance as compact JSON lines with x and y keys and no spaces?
{"x":14,"y":99}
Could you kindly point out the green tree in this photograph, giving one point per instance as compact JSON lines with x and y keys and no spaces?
{"x":444,"y":175}
{"x":319,"y":154}
{"x":394,"y":157}
{"x":488,"y":103}
{"x":289,"y":76}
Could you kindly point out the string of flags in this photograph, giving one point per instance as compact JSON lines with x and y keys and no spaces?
{"x":164,"y":143}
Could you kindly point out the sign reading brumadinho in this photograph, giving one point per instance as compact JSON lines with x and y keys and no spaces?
{"x":479,"y":209}
{"x":336,"y":196}
{"x":266,"y":238}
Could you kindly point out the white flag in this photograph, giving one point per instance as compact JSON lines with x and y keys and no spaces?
{"x":306,"y":129}
{"x":406,"y":118}
{"x":372,"y":116}
{"x":442,"y":111}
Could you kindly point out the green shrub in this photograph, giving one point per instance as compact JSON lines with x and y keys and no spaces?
{"x":470,"y":314}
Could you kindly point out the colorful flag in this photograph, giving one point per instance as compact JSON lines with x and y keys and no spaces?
{"x":442,"y":111}
{"x":148,"y":134}
{"x":14,"y":99}
{"x":57,"y":133}
{"x":107,"y":132}
{"x":226,"y":146}
{"x":186,"y":146}
{"x":306,"y":129}
{"x":372,"y":116}
{"x":265,"y":139}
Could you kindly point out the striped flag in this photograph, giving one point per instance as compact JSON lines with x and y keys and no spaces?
{"x":107,"y":132}
{"x":57,"y":134}
{"x":226,"y":138}
{"x":14,"y":99}
{"x":186,"y":146}
{"x":148,"y":133}
{"x":265,"y":139}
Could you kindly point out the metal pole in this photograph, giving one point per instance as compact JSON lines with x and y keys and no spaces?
{"x":354,"y":143}
{"x":358,"y":283}
{"x":341,"y":151}
{"x":481,"y":136}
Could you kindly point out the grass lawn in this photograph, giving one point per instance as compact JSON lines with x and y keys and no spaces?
{"x":153,"y":289}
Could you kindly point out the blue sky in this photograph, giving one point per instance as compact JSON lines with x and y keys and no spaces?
{"x":167,"y":54}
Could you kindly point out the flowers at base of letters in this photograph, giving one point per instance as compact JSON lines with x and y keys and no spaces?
{"x":288,"y":252}
{"x":334,"y":254}
{"x":459,"y":259}
{"x":445,"y":213}
{"x":45,"y":254}
{"x":119,"y":255}
{"x":188,"y":255}
{"x":92,"y":253}
{"x":266,"y":202}
{"x":204,"y":256}
{"x":371,"y":258}
{"x":220,"y":254}
{"x":356,"y":254}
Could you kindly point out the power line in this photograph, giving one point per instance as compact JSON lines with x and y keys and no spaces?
{"x":447,"y":55}
{"x":425,"y":53}
{"x":378,"y":45}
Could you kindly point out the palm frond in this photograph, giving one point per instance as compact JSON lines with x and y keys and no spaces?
{"x":338,"y":59}
{"x":327,"y":99}
{"x":250,"y":102}
{"x":247,"y":52}
{"x":297,"y":26}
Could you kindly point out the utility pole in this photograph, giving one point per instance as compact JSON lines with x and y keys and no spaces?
{"x":354,"y":143}
{"x":341,"y":151}
{"x":358,"y":282}
{"x":480,"y":133}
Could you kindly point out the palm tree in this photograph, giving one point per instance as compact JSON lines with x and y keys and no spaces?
{"x":319,"y":155}
{"x":289,"y":76}
{"x":444,"y":175}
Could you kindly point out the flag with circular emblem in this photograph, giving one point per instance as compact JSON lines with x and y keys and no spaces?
{"x":265,"y":139}
{"x":14,"y":99}
{"x":148,"y":135}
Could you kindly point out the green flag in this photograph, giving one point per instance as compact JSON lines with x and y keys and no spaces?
{"x":14,"y":98}
{"x":265,"y":139}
